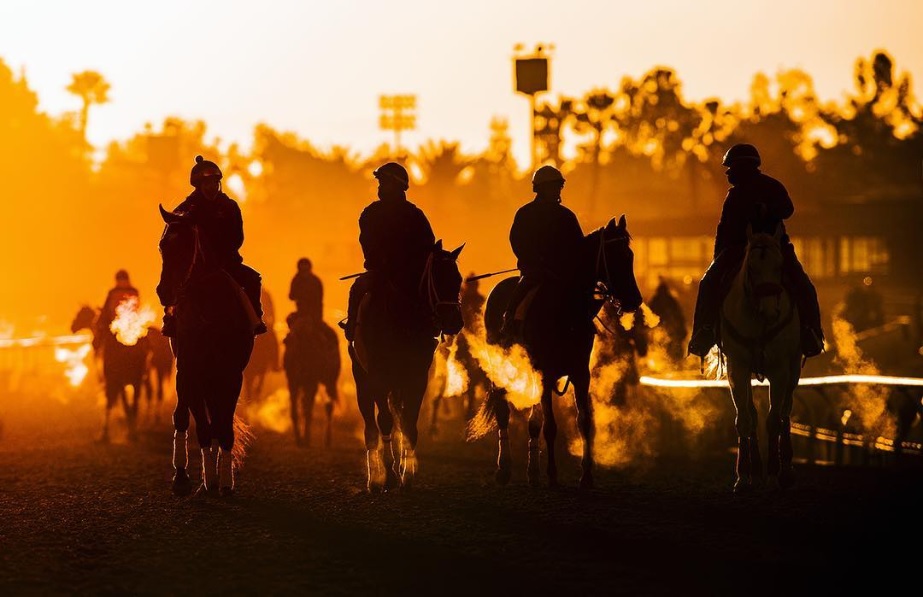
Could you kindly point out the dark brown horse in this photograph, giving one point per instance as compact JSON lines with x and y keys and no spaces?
{"x":396,"y":337}
{"x":123,"y":368}
{"x":213,"y":342}
{"x":311,"y":359}
{"x":558,"y":336}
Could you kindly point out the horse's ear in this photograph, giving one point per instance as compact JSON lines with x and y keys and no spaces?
{"x":438,"y":245}
{"x":457,"y":251}
{"x":611,"y":224}
{"x":777,"y":233}
{"x":168,"y":216}
{"x":622,"y":223}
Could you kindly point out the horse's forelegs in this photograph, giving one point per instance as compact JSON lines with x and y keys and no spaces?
{"x":181,"y":484}
{"x":293,"y":390}
{"x":749,"y":463}
{"x":535,"y":427}
{"x":778,"y":427}
{"x":587,"y":427}
{"x":550,"y":431}
{"x":309,"y":396}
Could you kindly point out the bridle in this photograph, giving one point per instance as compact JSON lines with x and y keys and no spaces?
{"x":428,"y":287}
{"x":603,"y":289}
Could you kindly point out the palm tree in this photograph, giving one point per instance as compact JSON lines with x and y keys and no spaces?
{"x":92,"y":88}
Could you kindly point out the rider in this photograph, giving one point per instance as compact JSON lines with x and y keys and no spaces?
{"x":763,"y":202}
{"x":396,"y":238}
{"x":221,"y":231}
{"x":122,"y":290}
{"x":546,"y":238}
{"x":307,"y":291}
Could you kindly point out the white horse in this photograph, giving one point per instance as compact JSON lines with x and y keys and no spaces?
{"x":760,"y":336}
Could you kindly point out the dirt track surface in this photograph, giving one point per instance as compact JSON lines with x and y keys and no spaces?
{"x":84,"y":518}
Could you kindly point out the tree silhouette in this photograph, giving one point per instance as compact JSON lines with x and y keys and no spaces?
{"x":92,"y":89}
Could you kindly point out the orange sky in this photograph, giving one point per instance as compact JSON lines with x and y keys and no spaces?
{"x":317,"y":68}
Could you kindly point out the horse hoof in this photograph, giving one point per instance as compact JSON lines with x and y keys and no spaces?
{"x":226,"y":491}
{"x":181,"y":486}
{"x":503,"y":475}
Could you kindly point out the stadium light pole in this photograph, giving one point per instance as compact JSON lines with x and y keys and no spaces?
{"x":530,"y":73}
{"x":397,"y":115}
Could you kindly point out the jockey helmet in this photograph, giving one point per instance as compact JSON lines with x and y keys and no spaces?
{"x":547,"y":174}
{"x":395,"y":172}
{"x":740,"y":154}
{"x":203,"y":169}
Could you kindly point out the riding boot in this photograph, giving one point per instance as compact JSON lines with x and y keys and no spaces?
{"x":703,"y":335}
{"x":812,"y":333}
{"x":168,"y":328}
{"x":744,"y":464}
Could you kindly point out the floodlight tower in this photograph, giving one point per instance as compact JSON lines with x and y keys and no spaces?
{"x":397,"y":115}
{"x":531,"y":77}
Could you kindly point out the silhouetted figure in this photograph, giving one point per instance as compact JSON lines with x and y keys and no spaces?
{"x":546,"y":239}
{"x":123,"y":290}
{"x":396,"y":239}
{"x":220,"y":236}
{"x":763,"y":203}
{"x":307,"y":291}
{"x":665,"y":305}
{"x":863,"y":307}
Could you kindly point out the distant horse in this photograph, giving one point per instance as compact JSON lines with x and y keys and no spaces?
{"x":391,"y":358}
{"x":759,"y":336}
{"x":213,"y":342}
{"x":159,"y":371}
{"x":311,"y":358}
{"x":671,"y":330}
{"x":477,"y":379}
{"x":123,"y":367}
{"x":558,"y":335}
{"x":263,"y":360}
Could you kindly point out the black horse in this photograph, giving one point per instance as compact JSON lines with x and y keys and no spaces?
{"x":213,"y":342}
{"x":123,"y":367}
{"x":311,"y":359}
{"x":396,"y":337}
{"x":558,"y":335}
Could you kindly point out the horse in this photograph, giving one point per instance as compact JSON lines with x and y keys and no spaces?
{"x":263,"y":360}
{"x":759,"y":335}
{"x":311,"y":358}
{"x":561,"y":345}
{"x":396,"y":338}
{"x":213,"y":342}
{"x":123,"y":367}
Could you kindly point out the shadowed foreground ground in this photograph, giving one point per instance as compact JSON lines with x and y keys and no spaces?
{"x":80,"y":517}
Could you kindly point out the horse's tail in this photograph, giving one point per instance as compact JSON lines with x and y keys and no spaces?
{"x":243,"y":438}
{"x":485,"y":420}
